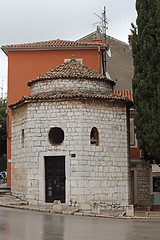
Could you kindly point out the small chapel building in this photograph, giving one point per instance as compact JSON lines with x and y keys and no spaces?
{"x":70,"y":140}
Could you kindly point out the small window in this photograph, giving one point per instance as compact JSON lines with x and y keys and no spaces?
{"x":77,"y":60}
{"x":56,"y":136}
{"x":22,"y":137}
{"x":94,"y":137}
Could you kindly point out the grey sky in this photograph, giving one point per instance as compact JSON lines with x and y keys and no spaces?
{"x":37,"y":20}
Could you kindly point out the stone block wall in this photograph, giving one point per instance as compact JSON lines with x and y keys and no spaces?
{"x":19,"y":170}
{"x":95,"y":174}
{"x":143,"y":184}
{"x":61,"y":85}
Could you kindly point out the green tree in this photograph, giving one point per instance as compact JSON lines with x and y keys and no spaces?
{"x":146,"y":81}
{"x":3,"y":137}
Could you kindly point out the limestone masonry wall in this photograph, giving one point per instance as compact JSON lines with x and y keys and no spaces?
{"x":95,"y":174}
{"x":143,"y":184}
{"x":61,"y":85}
{"x":19,"y":170}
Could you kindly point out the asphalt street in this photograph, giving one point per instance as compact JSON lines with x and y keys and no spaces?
{"x":26,"y":225}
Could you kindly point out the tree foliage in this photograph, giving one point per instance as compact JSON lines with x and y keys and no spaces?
{"x":3,"y":137}
{"x":146,"y":82}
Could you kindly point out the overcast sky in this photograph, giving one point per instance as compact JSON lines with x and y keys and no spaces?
{"x":37,"y":20}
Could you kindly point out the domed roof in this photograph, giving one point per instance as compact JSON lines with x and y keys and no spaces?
{"x":71,"y":70}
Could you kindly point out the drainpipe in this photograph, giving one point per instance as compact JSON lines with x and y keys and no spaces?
{"x":104,"y":63}
{"x":99,"y":59}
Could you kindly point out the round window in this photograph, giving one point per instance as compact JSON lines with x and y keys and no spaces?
{"x":56,"y":135}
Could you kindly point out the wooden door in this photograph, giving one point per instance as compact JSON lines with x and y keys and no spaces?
{"x":55,"y":178}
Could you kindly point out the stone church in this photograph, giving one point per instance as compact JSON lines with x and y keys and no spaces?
{"x":70,"y":140}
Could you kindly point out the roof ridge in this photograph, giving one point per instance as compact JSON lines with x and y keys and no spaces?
{"x":108,"y":36}
{"x":53,"y":43}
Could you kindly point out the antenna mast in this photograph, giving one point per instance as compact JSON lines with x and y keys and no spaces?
{"x":103,"y":24}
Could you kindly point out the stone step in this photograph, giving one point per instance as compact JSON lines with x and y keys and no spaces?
{"x":141,"y":214}
{"x":4,"y":190}
{"x":154,"y":214}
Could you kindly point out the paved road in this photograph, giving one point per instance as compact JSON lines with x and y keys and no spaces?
{"x":27,"y":225}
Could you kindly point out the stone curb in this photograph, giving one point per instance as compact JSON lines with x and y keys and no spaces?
{"x":41,"y":209}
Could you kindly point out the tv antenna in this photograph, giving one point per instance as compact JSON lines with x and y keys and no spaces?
{"x":103,"y":24}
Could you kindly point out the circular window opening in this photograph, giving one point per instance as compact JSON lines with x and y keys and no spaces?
{"x":56,"y":135}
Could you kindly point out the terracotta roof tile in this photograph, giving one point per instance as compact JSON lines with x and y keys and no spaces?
{"x":54,"y":43}
{"x":124,"y":92}
{"x":51,"y":96}
{"x":71,"y":69}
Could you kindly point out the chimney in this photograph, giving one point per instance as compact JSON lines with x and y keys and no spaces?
{"x":97,"y":40}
